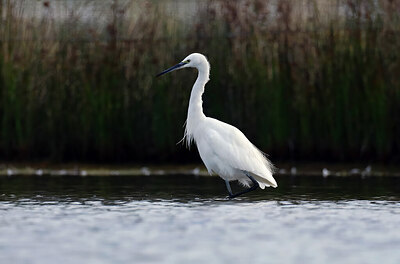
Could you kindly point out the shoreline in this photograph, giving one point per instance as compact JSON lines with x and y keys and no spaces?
{"x":284,"y":169}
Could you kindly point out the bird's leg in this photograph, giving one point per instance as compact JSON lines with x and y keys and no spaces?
{"x":252,"y":188}
{"x":228,"y":186}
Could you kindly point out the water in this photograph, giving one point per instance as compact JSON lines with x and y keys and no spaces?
{"x":187,"y":219}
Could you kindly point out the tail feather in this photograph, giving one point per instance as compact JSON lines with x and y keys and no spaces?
{"x":263,"y":182}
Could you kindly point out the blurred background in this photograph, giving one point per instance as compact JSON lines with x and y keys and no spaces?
{"x":315,"y":84}
{"x":305,"y":80}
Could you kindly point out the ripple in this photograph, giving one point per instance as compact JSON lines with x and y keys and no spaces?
{"x":181,"y":220}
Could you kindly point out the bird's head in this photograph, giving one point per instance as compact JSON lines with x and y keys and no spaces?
{"x":194,"y":60}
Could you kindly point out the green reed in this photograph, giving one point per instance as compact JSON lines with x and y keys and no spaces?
{"x":303,"y":79}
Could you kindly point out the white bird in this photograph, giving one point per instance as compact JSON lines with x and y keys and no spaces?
{"x":224,"y":149}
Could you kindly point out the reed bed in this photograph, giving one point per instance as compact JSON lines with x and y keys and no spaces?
{"x":305,"y":80}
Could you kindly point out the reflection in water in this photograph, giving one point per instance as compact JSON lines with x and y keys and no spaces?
{"x":182,"y":219}
{"x":190,"y":188}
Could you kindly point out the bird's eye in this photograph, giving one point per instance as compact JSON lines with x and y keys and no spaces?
{"x":187,"y":61}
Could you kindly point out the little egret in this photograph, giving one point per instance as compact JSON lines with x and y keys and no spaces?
{"x":224,"y":149}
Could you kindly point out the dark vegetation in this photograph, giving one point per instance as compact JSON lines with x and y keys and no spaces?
{"x":304,"y":80}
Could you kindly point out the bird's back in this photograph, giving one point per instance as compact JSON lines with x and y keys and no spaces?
{"x":226,"y":151}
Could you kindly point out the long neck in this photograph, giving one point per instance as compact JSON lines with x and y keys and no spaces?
{"x":195,"y":111}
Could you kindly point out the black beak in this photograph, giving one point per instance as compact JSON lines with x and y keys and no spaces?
{"x":177,"y":66}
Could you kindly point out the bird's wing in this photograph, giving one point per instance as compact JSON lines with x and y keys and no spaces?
{"x":232,"y":147}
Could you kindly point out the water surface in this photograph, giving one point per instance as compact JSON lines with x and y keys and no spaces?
{"x":187,"y":219}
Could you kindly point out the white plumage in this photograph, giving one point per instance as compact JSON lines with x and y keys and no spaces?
{"x":227,"y":152}
{"x":224,"y":149}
